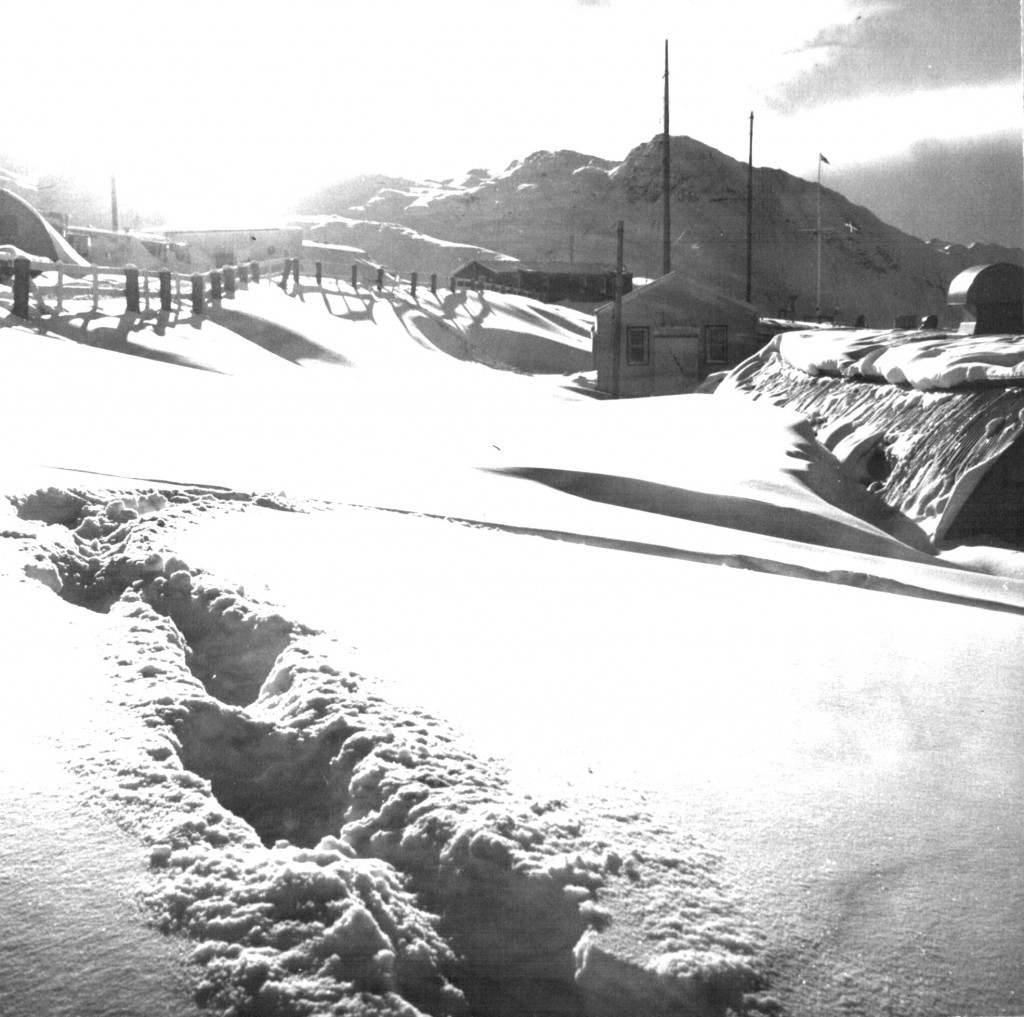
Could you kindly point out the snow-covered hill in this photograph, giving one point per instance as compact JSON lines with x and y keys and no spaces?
{"x":565,"y":205}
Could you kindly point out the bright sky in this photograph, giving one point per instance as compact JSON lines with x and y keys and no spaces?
{"x":228,"y":106}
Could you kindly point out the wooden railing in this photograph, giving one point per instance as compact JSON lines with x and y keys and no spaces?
{"x":139,"y":287}
{"x":142,"y":288}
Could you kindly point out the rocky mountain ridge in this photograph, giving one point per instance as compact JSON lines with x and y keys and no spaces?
{"x":565,"y":205}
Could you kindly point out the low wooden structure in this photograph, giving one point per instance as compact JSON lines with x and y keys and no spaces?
{"x":550,"y":281}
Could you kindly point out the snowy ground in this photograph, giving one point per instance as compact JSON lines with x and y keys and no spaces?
{"x":382,"y":681}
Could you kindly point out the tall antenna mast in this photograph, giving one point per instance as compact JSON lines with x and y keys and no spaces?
{"x":666,"y":243}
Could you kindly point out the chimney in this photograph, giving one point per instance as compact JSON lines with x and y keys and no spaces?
{"x":992,"y":298}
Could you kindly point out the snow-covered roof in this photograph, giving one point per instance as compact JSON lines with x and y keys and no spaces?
{"x":925,"y":359}
{"x":677,"y":285}
{"x":317,"y":245}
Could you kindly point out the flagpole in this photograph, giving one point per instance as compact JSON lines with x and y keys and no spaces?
{"x":817,"y":309}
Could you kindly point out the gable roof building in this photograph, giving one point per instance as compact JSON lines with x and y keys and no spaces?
{"x":674,"y":332}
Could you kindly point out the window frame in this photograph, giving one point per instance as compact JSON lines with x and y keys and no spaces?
{"x":718,"y":330}
{"x":631,"y":359}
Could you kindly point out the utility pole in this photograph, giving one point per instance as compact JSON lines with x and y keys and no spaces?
{"x":666,"y":242}
{"x":750,"y":206}
{"x":113,"y":202}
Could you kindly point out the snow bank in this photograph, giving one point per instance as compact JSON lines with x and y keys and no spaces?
{"x":502,"y":331}
{"x":926,"y":439}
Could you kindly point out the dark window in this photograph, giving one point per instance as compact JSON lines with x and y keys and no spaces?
{"x":638,"y":345}
{"x":716,"y":344}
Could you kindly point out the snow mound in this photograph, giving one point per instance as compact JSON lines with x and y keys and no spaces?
{"x":948,"y":410}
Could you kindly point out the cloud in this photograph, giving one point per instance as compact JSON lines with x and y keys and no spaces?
{"x":947,"y":189}
{"x":873,"y":128}
{"x":888,"y":47}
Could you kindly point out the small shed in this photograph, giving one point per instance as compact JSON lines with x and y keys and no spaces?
{"x":674,"y":333}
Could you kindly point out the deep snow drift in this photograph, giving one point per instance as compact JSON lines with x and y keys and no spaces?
{"x":420,"y":687}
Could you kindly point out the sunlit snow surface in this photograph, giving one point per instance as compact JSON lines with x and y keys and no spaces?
{"x":678,"y":617}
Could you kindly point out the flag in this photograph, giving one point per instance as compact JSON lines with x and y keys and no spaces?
{"x":824,"y":160}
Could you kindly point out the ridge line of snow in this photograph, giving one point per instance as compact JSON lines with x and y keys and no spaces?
{"x":748,"y":562}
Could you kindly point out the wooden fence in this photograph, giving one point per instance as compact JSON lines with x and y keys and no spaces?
{"x":144,"y":288}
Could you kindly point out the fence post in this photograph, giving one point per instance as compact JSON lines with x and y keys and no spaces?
{"x":451,"y":284}
{"x":284,"y":274}
{"x":21,"y":286}
{"x":95,"y":287}
{"x":320,"y":273}
{"x":131,"y":288}
{"x":433,"y":283}
{"x":295,"y":271}
{"x":380,"y":279}
{"x":215,"y":281}
{"x":165,"y":289}
{"x":229,"y":281}
{"x":355,"y":277}
{"x":415,"y":277}
{"x":198,"y":297}
{"x":243,"y":276}
{"x":255,"y":267}
{"x":60,"y":290}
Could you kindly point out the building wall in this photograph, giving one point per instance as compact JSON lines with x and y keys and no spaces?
{"x":571,"y":286}
{"x":109,"y":249}
{"x":213,"y":248}
{"x":679,"y":344}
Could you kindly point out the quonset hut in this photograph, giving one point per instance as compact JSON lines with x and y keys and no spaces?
{"x":930,"y":420}
{"x":24,"y":229}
